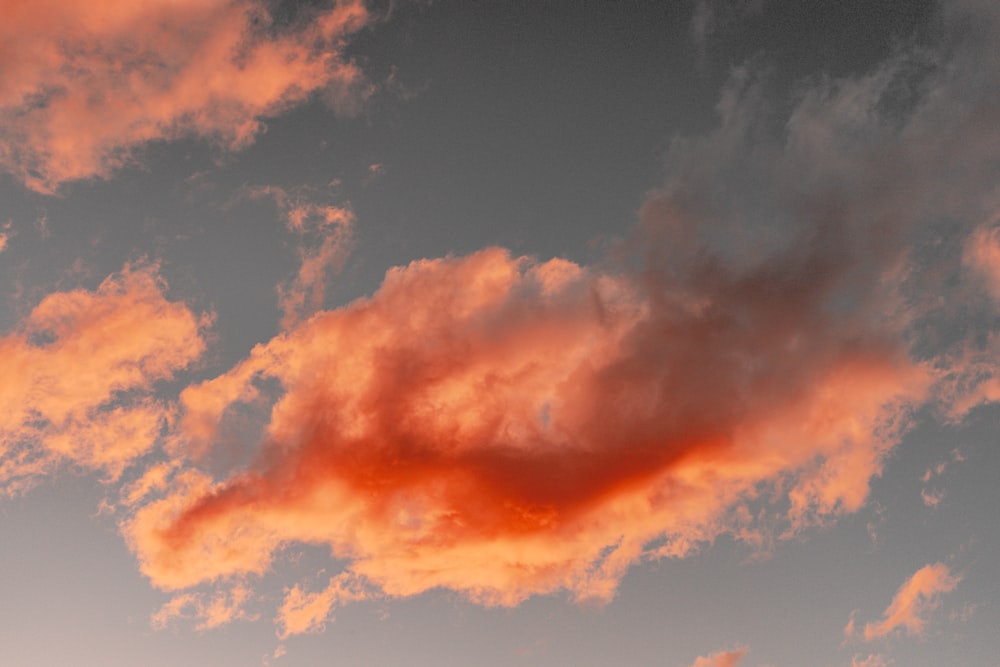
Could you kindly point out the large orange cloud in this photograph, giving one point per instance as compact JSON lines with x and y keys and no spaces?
{"x":78,"y":375}
{"x":504,"y":427}
{"x":84,"y":84}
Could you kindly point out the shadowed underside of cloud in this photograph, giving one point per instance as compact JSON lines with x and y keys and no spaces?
{"x":504,"y":427}
{"x":83,"y":85}
{"x":78,"y":374}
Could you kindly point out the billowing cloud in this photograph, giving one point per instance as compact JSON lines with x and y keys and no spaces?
{"x":914,"y":600}
{"x":721,"y":659}
{"x":78,"y":375}
{"x":502,"y":426}
{"x":84,"y":85}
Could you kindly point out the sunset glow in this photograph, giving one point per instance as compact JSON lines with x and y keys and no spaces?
{"x":461,"y":333}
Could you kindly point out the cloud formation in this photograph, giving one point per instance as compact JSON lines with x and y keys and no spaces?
{"x":209,"y":610}
{"x":79,"y":372}
{"x":84,"y":85}
{"x":721,"y":659}
{"x":324,"y":239}
{"x":914,"y":600}
{"x":503,"y":426}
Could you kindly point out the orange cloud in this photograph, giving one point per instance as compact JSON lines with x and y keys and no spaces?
{"x":723,"y":659}
{"x":79,"y":372}
{"x":83,"y":85}
{"x":914,"y":600}
{"x":210,"y":611}
{"x":302,"y":612}
{"x":504,"y":427}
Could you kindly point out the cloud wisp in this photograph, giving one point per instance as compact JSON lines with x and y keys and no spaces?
{"x":324,"y":236}
{"x":84,"y":86}
{"x":913,"y":602}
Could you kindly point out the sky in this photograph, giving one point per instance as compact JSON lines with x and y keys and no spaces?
{"x":409,"y":332}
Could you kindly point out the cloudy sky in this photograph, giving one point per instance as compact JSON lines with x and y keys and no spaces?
{"x":591,"y":332}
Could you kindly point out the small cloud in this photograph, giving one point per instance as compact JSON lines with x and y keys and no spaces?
{"x":871,"y":660}
{"x":849,"y":629}
{"x":913,"y":602}
{"x":722,"y":658}
{"x":303,"y":612}
{"x":210,"y":611}
{"x":931,"y":498}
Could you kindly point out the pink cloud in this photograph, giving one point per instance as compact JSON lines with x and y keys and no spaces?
{"x":721,"y":659}
{"x":914,"y":600}
{"x":79,"y":372}
{"x":83,"y":86}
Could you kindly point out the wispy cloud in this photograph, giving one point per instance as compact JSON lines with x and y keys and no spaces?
{"x":324,"y":234}
{"x":84,"y":85}
{"x":913,"y":602}
{"x":208,"y":610}
{"x":302,"y":612}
